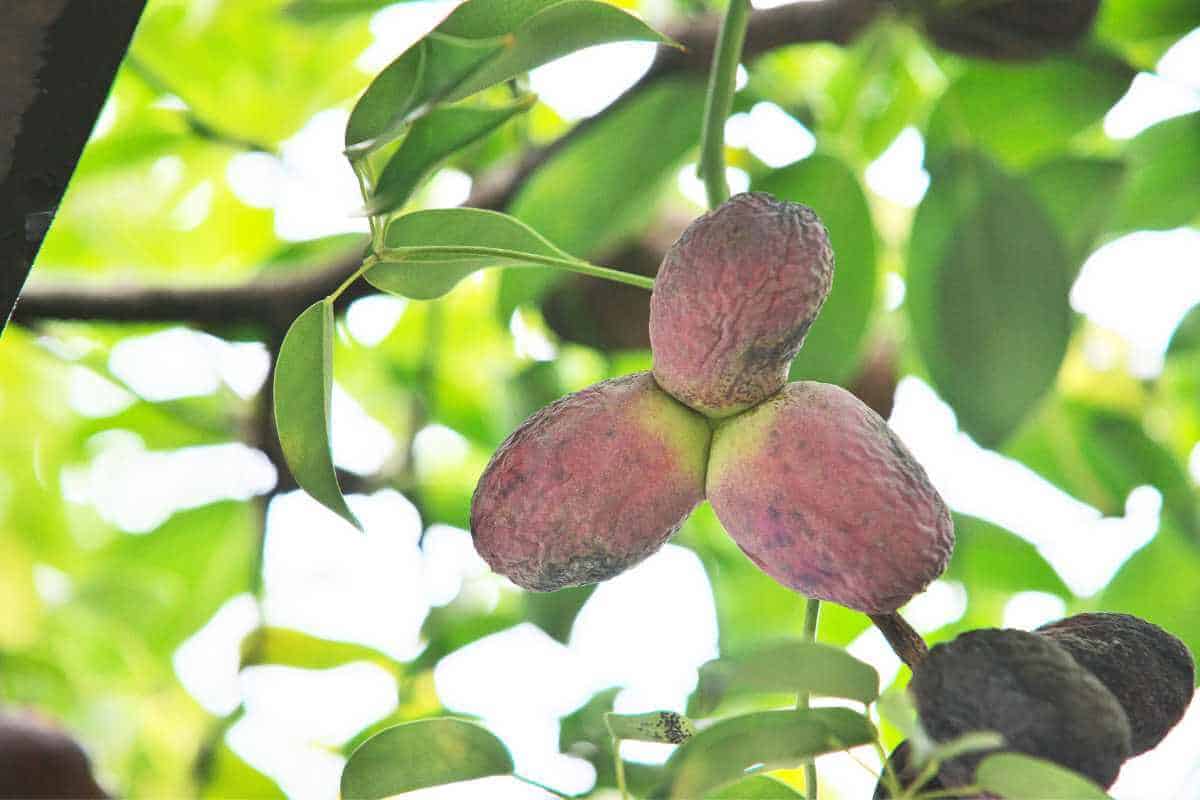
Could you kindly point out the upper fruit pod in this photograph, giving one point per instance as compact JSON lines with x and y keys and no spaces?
{"x":590,"y":485}
{"x":733,"y":299}
{"x":820,"y":493}
{"x":1149,"y":671}
{"x":1030,"y":691}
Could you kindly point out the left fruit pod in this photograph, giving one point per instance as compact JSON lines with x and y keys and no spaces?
{"x":590,"y":485}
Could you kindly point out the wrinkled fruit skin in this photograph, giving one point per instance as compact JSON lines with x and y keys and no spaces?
{"x":1149,"y":671}
{"x":39,"y":760}
{"x":1029,"y":690}
{"x":1011,"y":30}
{"x":733,"y":300}
{"x":590,"y":485}
{"x":822,"y":496}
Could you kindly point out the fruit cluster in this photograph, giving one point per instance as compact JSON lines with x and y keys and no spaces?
{"x":1086,"y":692}
{"x":815,"y":488}
{"x":809,"y":481}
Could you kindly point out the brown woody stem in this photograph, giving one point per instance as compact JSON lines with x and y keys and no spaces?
{"x":904,"y":641}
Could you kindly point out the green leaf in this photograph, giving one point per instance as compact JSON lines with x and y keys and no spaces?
{"x":758,"y":787}
{"x":421,"y":75}
{"x":1017,"y":776}
{"x":654,"y":726}
{"x":482,"y":43}
{"x":303,"y":386}
{"x":605,"y":184}
{"x":830,"y":187}
{"x":1146,"y":28}
{"x":987,"y":556}
{"x":1078,"y":193}
{"x":424,"y":277}
{"x":988,"y":279}
{"x":720,"y":755}
{"x":1024,"y":112}
{"x":416,"y":755}
{"x":429,"y":141}
{"x":1164,"y":170}
{"x":552,"y":33}
{"x":1100,"y":456}
{"x":788,"y":666}
{"x":1186,"y":338}
{"x":292,"y":648}
{"x":896,"y":706}
{"x":230,"y":776}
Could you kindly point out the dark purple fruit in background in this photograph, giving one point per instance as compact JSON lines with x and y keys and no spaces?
{"x":1149,"y":671}
{"x":1029,"y":690}
{"x":733,"y":300}
{"x":40,"y":760}
{"x":1009,"y":30}
{"x":590,"y":485}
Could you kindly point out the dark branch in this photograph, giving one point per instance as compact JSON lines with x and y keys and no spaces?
{"x":904,"y":641}
{"x":276,"y":302}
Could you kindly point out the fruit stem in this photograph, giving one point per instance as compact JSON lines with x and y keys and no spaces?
{"x":812,"y":612}
{"x":722,"y":82}
{"x":904,"y":641}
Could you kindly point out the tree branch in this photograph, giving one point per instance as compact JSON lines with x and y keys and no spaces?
{"x":275,"y":302}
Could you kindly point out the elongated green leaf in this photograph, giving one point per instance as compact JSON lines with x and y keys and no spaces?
{"x":554,"y":32}
{"x":988,"y":278}
{"x":297,"y":649}
{"x":1078,"y":193}
{"x":654,"y":726}
{"x":420,"y":754}
{"x":720,"y":755}
{"x":482,"y":43}
{"x":420,"y":75}
{"x":432,"y":139}
{"x":790,"y":666}
{"x":429,"y":276}
{"x":303,"y":387}
{"x":830,"y":187}
{"x":758,"y":787}
{"x":1024,"y":112}
{"x":1164,"y":164}
{"x":1018,"y":776}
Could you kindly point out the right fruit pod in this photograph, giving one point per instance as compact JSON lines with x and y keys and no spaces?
{"x":826,"y":499}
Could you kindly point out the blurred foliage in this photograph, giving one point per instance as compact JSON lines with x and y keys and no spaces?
{"x":1025,"y":186}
